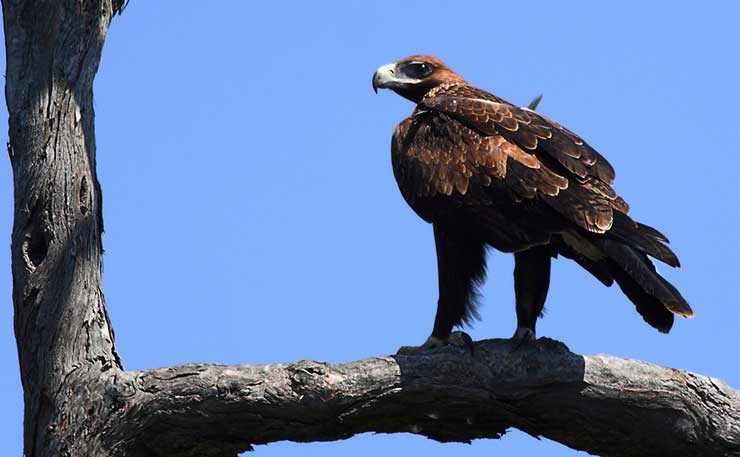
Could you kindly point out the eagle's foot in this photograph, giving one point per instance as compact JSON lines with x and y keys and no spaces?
{"x":459,"y":339}
{"x":523,"y":335}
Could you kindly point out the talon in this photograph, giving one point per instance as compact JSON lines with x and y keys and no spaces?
{"x":523,"y":335}
{"x":461,"y":340}
{"x":458,"y":339}
{"x":431,"y":343}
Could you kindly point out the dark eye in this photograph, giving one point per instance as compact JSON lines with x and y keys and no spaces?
{"x":417,"y":70}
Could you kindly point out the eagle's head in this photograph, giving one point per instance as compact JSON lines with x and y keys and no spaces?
{"x":414,"y":76}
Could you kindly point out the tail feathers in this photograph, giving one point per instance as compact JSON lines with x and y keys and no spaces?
{"x":638,"y":279}
{"x":643,"y":238}
{"x":652,"y":232}
{"x":650,"y":308}
{"x":598,"y":269}
{"x":571,"y":245}
{"x":680,"y":306}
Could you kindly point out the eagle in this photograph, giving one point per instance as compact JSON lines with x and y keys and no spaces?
{"x":485,"y":172}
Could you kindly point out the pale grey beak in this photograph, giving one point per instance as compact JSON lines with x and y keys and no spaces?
{"x":384,"y":77}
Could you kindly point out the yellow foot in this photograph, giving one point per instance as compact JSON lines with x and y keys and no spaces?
{"x":459,"y":339}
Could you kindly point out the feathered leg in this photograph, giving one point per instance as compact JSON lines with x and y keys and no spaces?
{"x":531,"y":282}
{"x":461,"y":266}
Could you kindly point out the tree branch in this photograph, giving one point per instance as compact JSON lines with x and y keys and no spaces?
{"x":601,"y":404}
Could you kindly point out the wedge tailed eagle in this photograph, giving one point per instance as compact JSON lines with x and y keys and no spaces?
{"x":485,"y":172}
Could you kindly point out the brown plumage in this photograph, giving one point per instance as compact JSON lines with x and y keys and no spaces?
{"x":485,"y":172}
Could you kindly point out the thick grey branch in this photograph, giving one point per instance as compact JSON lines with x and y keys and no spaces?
{"x":601,"y":404}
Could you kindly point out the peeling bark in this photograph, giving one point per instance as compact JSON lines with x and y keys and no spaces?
{"x":80,"y":402}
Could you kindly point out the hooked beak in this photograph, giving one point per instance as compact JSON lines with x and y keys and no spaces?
{"x":384,"y":77}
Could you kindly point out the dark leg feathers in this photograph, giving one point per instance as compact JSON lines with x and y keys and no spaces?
{"x":461,"y":264}
{"x":531,"y":282}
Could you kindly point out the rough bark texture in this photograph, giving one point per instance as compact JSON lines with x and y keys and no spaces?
{"x":80,"y":402}
{"x":62,"y":330}
{"x":601,"y":404}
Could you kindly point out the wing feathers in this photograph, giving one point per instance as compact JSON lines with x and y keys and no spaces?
{"x":515,"y":152}
{"x":589,"y":211}
{"x":526,"y":128}
{"x":466,"y":133}
{"x":536,"y":142}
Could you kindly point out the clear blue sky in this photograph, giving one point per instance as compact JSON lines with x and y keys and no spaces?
{"x":252,"y":215}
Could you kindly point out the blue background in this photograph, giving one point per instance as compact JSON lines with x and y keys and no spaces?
{"x":252,"y":215}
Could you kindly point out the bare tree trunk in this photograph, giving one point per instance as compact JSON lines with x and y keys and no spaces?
{"x":80,"y":402}
{"x":62,"y":330}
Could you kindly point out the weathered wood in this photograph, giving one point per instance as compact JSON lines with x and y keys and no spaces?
{"x":80,"y":402}
{"x":61,"y":325}
{"x":601,"y":404}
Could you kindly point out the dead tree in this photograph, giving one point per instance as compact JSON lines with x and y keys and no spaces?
{"x":79,"y":401}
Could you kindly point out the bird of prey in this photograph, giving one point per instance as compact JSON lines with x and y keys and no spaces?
{"x":485,"y":173}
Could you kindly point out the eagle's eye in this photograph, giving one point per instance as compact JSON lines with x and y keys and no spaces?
{"x":416,"y":70}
